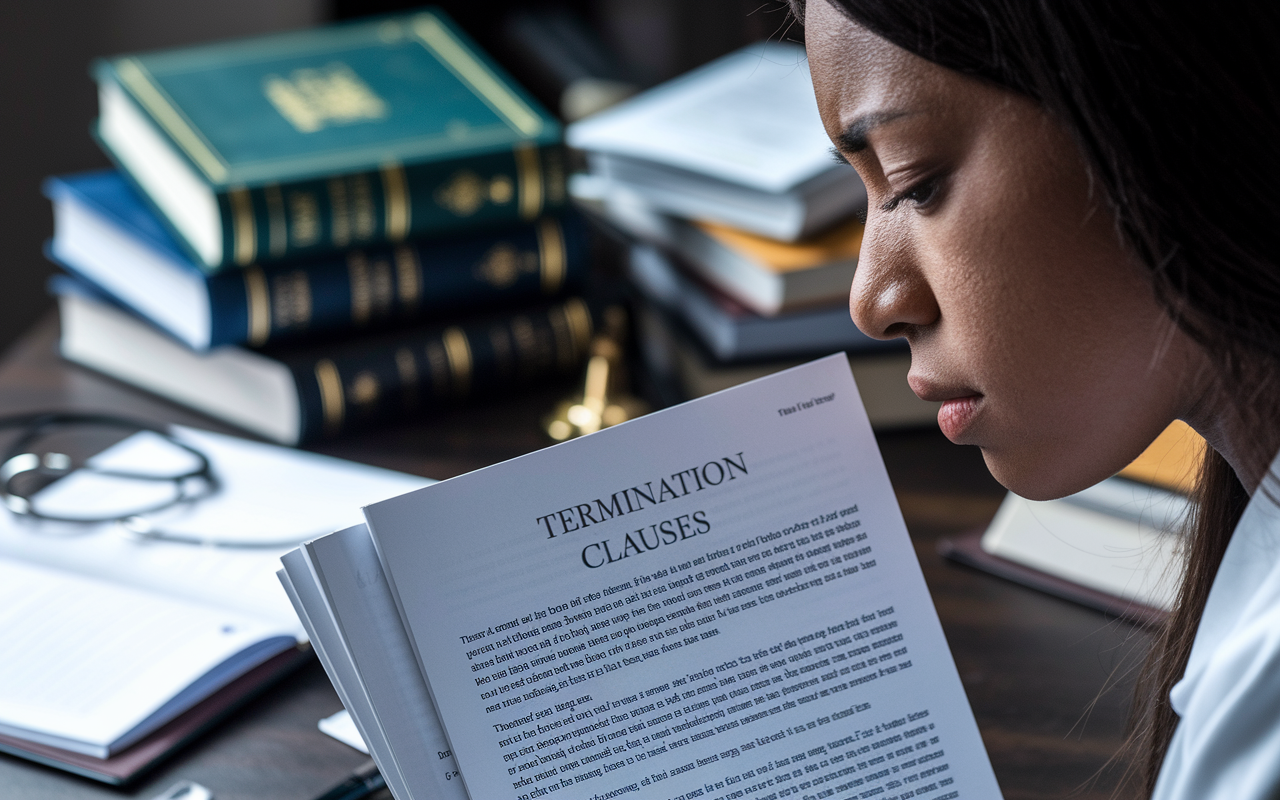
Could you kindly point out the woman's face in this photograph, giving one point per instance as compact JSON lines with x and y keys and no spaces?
{"x":989,"y":250}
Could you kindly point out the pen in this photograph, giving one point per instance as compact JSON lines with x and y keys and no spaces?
{"x":363,"y":782}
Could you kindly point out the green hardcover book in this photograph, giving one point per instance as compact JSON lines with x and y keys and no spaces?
{"x":378,"y":130}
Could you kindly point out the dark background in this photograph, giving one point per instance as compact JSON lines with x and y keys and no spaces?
{"x":48,"y":100}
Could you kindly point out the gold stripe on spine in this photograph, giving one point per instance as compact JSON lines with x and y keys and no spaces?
{"x":408,"y":278}
{"x":529,"y":180}
{"x":145,"y":90}
{"x":243,"y":233}
{"x":395,"y":194}
{"x":580,"y":328}
{"x":277,"y":222}
{"x":458,"y":351}
{"x":480,"y":79}
{"x":551,"y":253}
{"x":258,"y":299}
{"x":332,"y":404}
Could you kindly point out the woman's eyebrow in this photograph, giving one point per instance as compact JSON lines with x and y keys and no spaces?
{"x":853,"y":139}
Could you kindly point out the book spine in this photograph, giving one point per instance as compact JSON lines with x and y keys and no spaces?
{"x":393,"y":204}
{"x":359,"y":384}
{"x":365,"y":288}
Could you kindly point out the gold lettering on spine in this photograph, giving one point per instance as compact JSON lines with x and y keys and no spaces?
{"x":395,"y":191}
{"x":458,"y":350}
{"x":305,"y":223}
{"x":291,"y":300}
{"x":361,"y":292}
{"x":258,"y":302}
{"x":551,"y":251}
{"x":244,"y":235}
{"x":332,"y":404}
{"x":529,"y":172}
{"x":408,"y":278}
{"x":277,"y":223}
{"x":363,"y":216}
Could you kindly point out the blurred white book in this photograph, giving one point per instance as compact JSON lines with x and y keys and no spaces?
{"x":767,"y":276}
{"x":737,"y":141}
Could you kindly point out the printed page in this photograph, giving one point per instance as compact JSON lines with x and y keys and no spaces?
{"x":719,"y":600}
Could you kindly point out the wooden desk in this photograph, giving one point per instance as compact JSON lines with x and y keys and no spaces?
{"x":1033,"y":665}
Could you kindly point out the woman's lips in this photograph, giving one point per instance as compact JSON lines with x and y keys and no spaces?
{"x":960,"y":404}
{"x":957,"y":414}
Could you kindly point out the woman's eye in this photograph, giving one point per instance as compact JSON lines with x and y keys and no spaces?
{"x":918,"y":195}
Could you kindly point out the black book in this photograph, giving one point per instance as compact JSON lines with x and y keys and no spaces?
{"x":295,"y":394}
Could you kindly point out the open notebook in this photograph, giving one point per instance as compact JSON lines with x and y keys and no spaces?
{"x":113,"y":651}
{"x":93,"y":667}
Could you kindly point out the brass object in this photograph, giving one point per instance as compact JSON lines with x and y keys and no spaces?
{"x":605,"y":400}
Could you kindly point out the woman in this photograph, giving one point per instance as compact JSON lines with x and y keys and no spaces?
{"x":1073,"y":221}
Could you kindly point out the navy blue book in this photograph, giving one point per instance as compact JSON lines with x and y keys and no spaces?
{"x":105,"y":233}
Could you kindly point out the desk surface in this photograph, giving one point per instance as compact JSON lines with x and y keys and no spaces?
{"x":1035,"y":667}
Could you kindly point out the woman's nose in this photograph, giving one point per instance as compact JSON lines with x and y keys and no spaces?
{"x":890,"y":295}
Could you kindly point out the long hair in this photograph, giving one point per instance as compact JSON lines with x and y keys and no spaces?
{"x":1176,"y":107}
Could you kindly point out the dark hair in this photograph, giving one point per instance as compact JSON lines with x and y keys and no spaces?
{"x":1176,"y":107}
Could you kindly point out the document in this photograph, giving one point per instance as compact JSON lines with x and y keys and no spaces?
{"x":717,"y":601}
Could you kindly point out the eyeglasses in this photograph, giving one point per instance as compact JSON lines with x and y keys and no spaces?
{"x":56,"y":471}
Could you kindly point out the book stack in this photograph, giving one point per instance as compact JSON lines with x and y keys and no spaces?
{"x":321,"y":230}
{"x":743,"y":231}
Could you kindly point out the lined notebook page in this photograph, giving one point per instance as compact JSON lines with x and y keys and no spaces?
{"x":83,"y":663}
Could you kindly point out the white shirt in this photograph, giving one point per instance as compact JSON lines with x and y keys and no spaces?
{"x":1227,"y":743}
